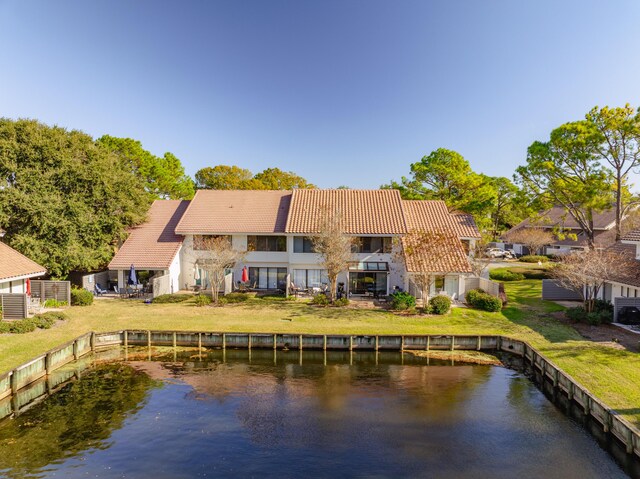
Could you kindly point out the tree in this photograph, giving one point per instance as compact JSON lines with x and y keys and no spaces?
{"x":503,"y":211}
{"x":224,"y":177}
{"x":427,"y":255}
{"x":618,"y":144}
{"x":65,"y":201}
{"x":276,"y":179}
{"x":566,"y":171}
{"x":164,"y":176}
{"x":219,"y":256}
{"x":586,"y":272}
{"x":333,"y":245}
{"x":533,"y":238}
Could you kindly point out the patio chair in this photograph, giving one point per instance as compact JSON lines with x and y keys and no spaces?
{"x":99,"y":291}
{"x":118,"y":292}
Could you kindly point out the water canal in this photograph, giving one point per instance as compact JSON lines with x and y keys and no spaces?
{"x":238,"y":413}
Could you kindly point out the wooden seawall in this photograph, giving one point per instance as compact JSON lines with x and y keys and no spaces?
{"x":43,"y":374}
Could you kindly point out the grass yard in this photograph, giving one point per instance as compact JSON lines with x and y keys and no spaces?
{"x":611,"y":374}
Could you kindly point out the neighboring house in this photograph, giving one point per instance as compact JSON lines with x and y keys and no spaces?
{"x":274,"y":228}
{"x":564,"y":228}
{"x":626,"y":283}
{"x":15,"y":269}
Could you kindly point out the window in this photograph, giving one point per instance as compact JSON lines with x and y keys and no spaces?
{"x":372,"y":244}
{"x":369,"y":266}
{"x":302,"y":244}
{"x":310,"y":278}
{"x":268,"y":277}
{"x":266,"y":243}
{"x":199,"y":241}
{"x":439,"y":283}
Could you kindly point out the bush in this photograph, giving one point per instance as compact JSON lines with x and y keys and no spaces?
{"x":401,"y":300}
{"x":320,"y":300}
{"x":602,"y":313}
{"x":501,"y":274}
{"x":534,"y":273}
{"x":236,"y":297}
{"x":171,"y":298}
{"x":22,"y":326}
{"x":440,"y":304}
{"x":43,"y":322}
{"x":532,"y":258}
{"x":81,"y":297}
{"x":202,"y":300}
{"x":341,"y":302}
{"x":54,"y":315}
{"x":576,"y":314}
{"x":484,"y":301}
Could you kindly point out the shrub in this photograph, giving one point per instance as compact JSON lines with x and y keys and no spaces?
{"x":22,"y":326}
{"x":341,"y":302}
{"x":534,"y":273}
{"x":236,"y":297}
{"x":202,"y":300}
{"x":501,"y":274}
{"x":54,"y":303}
{"x":43,"y":322}
{"x":171,"y":298}
{"x":54,"y":315}
{"x":532,"y":258}
{"x":440,"y":304}
{"x":401,"y":300}
{"x":320,"y":300}
{"x":484,"y":301}
{"x":576,"y":314}
{"x":5,"y":327}
{"x":81,"y":297}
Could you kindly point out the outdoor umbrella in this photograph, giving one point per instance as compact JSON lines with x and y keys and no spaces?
{"x":196,"y":272}
{"x":28,"y":287}
{"x":133,"y":279}
{"x":245,"y":274}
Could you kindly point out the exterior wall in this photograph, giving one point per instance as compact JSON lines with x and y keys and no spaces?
{"x":175,"y":273}
{"x":453,"y":287}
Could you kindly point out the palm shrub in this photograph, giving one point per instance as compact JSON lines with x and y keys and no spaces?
{"x":320,"y":300}
{"x":202,"y":300}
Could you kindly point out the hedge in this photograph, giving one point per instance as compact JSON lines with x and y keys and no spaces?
{"x":440,"y":304}
{"x":484,"y":301}
{"x":81,"y":297}
{"x":532,"y":258}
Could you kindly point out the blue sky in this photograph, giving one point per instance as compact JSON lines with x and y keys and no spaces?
{"x":341,"y":92}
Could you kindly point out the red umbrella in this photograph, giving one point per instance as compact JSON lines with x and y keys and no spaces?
{"x":245,"y":274}
{"x":28,"y":287}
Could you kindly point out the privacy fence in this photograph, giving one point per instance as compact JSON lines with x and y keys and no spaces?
{"x":49,"y":289}
{"x":32,"y":381}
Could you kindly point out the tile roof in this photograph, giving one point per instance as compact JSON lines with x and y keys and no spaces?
{"x":433,"y":216}
{"x":236,"y":211}
{"x":632,"y":236}
{"x":559,"y":217}
{"x":362,"y":211}
{"x":154,"y":244}
{"x":15,"y":265}
{"x":630,"y":274}
{"x":465,"y":225}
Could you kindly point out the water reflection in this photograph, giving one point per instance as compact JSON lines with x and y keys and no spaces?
{"x":260,"y":413}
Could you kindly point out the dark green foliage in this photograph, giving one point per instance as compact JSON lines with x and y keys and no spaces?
{"x":401,"y":300}
{"x":164,"y":177}
{"x":341,"y":302}
{"x":440,"y":304}
{"x":576,"y":314}
{"x":484,"y":301}
{"x":505,"y":275}
{"x":27,"y":325}
{"x":65,"y":201}
{"x":533,"y":258}
{"x":320,"y":300}
{"x":236,"y":297}
{"x":171,"y":298}
{"x":202,"y":300}
{"x":602,"y":313}
{"x":81,"y":297}
{"x":53,"y":315}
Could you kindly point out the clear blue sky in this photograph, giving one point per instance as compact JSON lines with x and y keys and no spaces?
{"x":341,"y":92}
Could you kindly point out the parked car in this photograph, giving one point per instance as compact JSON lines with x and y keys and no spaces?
{"x":512,"y":254}
{"x":629,"y":315}
{"x":495,"y":253}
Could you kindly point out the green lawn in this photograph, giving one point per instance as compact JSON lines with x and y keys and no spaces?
{"x":611,"y":374}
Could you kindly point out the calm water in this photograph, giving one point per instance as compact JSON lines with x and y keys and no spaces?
{"x":191,"y":416}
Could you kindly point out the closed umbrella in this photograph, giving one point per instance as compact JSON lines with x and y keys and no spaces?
{"x":133,"y":279}
{"x":245,"y":274}
{"x":196,"y":272}
{"x":28,"y":287}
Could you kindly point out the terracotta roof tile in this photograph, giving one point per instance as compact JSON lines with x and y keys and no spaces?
{"x":433,"y":216}
{"x":236,"y":211}
{"x":362,"y":211}
{"x":154,"y":244}
{"x":15,"y":265}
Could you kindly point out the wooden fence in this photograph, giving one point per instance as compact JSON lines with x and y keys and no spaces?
{"x":40,"y":373}
{"x":48,"y":289}
{"x":14,"y":305}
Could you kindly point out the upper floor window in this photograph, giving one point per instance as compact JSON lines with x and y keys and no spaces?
{"x":372,"y":244}
{"x":302,"y":244}
{"x":266,"y":243}
{"x":200,"y":241}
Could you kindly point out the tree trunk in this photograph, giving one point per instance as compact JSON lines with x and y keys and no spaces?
{"x":590,"y":233}
{"x":618,"y":207}
{"x":333,"y":286}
